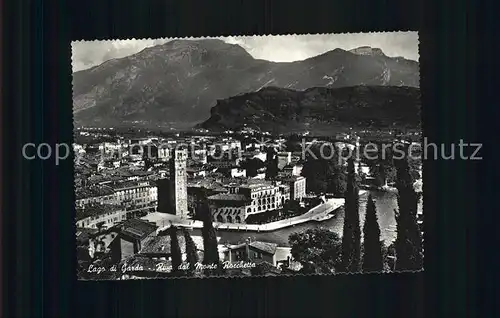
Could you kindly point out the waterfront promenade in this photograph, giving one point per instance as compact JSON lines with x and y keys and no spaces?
{"x":318,"y":213}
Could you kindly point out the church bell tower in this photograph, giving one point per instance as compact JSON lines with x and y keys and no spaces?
{"x":178,"y":182}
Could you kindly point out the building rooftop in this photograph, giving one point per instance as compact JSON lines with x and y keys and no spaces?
{"x":162,"y":244}
{"x":195,"y":168}
{"x":207,"y":183}
{"x":89,"y":160}
{"x":292,"y":165}
{"x":266,"y":247}
{"x":84,"y":234}
{"x":140,"y":173}
{"x":93,"y":192}
{"x":129,"y":184}
{"x":230,"y":167}
{"x":256,"y":183}
{"x":98,"y":178}
{"x":291,"y":178}
{"x":228,"y":197}
{"x":247,"y":154}
{"x":138,"y":229}
{"x":95,"y":210}
{"x":126,"y":172}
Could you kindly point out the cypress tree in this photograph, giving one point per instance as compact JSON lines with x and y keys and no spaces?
{"x":408,"y":244}
{"x":351,"y":238}
{"x":271,"y":164}
{"x":210,"y":250}
{"x":372,"y":256}
{"x":175,"y":250}
{"x":191,"y":250}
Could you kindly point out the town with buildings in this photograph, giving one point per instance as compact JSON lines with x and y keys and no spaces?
{"x":131,"y":191}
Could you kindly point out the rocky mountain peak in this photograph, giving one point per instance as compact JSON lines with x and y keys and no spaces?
{"x":318,"y":108}
{"x":200,"y":49}
{"x":367,"y":50}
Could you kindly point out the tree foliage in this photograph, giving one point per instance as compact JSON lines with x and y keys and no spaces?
{"x":372,"y":256}
{"x":381,"y":161}
{"x":337,"y":182}
{"x":262,"y":269}
{"x":292,"y":208}
{"x":323,"y":171}
{"x":292,"y":144}
{"x":271,"y":163}
{"x":175,"y":249}
{"x":317,"y":249}
{"x":252,"y":166}
{"x":191,"y":249}
{"x":210,"y":250}
{"x":351,"y":237}
{"x":408,"y":244}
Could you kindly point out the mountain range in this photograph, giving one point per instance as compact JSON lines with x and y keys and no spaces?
{"x":176,"y":84}
{"x":318,"y":109}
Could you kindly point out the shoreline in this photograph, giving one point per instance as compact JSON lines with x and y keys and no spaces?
{"x":320,"y":213}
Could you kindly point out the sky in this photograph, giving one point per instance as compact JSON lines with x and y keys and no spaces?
{"x":279,"y":48}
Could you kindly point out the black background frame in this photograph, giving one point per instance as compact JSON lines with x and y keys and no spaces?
{"x":38,"y":200}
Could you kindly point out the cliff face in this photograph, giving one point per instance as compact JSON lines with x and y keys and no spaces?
{"x":366,"y":50}
{"x":285,"y":110}
{"x":178,"y":82}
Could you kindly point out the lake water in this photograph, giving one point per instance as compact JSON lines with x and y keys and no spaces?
{"x":385,"y":202}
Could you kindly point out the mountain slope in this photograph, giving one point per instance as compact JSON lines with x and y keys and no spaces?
{"x":179,"y":81}
{"x":285,"y":110}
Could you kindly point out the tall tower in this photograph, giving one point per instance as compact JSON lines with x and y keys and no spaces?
{"x":178,"y":183}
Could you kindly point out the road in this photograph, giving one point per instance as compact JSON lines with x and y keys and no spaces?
{"x":317,"y":213}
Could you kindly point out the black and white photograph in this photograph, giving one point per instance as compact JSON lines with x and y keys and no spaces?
{"x":248,"y":156}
